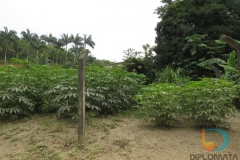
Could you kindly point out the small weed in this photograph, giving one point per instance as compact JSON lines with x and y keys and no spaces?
{"x":52,"y":135}
{"x":14,"y":139}
{"x":41,"y":152}
{"x":45,"y":123}
{"x":93,"y":152}
{"x":59,"y":127}
{"x":91,"y":141}
{"x":72,"y":153}
{"x":116,"y":119}
{"x":107,"y":132}
{"x":8,"y":136}
{"x":122,"y":143}
{"x":32,"y":139}
{"x":101,"y":125}
{"x":68,"y":142}
{"x":81,"y":146}
{"x":32,"y":148}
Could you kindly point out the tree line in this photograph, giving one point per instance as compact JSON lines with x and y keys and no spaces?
{"x":42,"y":49}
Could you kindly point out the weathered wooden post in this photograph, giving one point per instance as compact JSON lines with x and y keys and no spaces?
{"x":81,"y":97}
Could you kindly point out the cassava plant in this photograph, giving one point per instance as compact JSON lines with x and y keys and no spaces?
{"x":159,"y":103}
{"x":107,"y":91}
{"x":207,"y":102}
{"x":15,"y":101}
{"x":54,"y":89}
{"x":210,"y":101}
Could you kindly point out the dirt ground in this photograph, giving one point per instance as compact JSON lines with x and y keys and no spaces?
{"x":44,"y":137}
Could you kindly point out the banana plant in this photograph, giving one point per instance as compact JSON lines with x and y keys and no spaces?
{"x":230,"y":71}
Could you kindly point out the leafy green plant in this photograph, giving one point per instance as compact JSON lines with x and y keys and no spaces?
{"x":169,"y":75}
{"x":112,"y":90}
{"x":17,"y":61}
{"x":209,"y":102}
{"x":54,"y":89}
{"x":15,"y":101}
{"x":230,"y":71}
{"x":159,"y":103}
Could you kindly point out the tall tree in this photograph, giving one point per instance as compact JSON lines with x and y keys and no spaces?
{"x":37,"y":45}
{"x":66,"y":40}
{"x":149,"y":57}
{"x":58,"y":44}
{"x":185,"y":18}
{"x":161,"y":10}
{"x":29,"y":37}
{"x":7,"y":38}
{"x":76,"y":50}
{"x":77,"y":40}
{"x":49,"y":39}
{"x":87,"y":40}
{"x":18,"y":47}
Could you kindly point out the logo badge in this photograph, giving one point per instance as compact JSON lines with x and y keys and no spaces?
{"x":210,"y":146}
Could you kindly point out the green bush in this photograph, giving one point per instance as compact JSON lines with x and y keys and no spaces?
{"x":169,"y":75}
{"x":54,"y":89}
{"x":15,"y":101}
{"x":208,"y":102}
{"x":159,"y":103}
{"x":21,"y":90}
{"x":15,"y":95}
{"x":112,"y":90}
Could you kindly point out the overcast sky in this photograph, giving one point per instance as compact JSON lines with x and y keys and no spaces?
{"x":115,"y":25}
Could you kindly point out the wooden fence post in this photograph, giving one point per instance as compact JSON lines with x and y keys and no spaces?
{"x":81,"y":97}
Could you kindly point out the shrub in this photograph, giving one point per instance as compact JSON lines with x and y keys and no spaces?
{"x":15,"y":94}
{"x":159,"y":103}
{"x":112,"y":90}
{"x":54,"y":89}
{"x":15,"y":101}
{"x":208,"y":102}
{"x":169,"y":75}
{"x":107,"y":91}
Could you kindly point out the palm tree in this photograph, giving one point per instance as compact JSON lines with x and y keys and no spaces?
{"x":49,"y":39}
{"x":87,"y":40}
{"x":76,"y":50}
{"x":18,"y":47}
{"x":37,"y":45}
{"x":66,"y":40}
{"x":52,"y":51}
{"x":29,"y":37}
{"x":77,"y":40}
{"x":7,"y":38}
{"x":58,"y":44}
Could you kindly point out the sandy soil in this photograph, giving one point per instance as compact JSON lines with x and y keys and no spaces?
{"x":44,"y":137}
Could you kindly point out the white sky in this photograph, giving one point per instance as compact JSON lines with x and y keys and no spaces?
{"x":115,"y":25}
